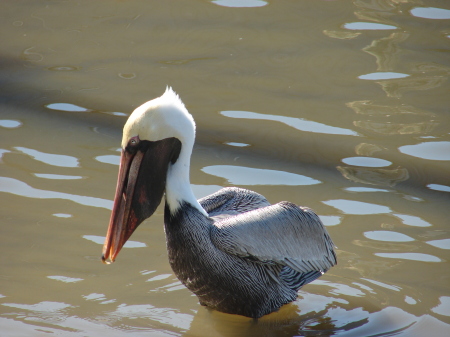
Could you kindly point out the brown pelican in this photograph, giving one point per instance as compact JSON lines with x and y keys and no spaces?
{"x":238,"y":253}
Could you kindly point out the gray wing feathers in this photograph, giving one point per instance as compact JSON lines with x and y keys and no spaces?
{"x":283,"y":234}
{"x":232,"y":201}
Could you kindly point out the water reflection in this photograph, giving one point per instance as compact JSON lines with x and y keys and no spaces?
{"x":56,"y":176}
{"x":127,"y":76}
{"x":174,"y":286}
{"x":410,"y":256}
{"x":340,"y":289}
{"x":76,"y":108}
{"x":431,"y":13}
{"x":366,"y":149}
{"x":241,"y":175}
{"x":50,"y":158}
{"x":374,"y":176}
{"x":382,"y":76}
{"x":161,"y":315}
{"x":109,"y":159}
{"x":397,"y":87}
{"x":367,"y":107}
{"x":2,"y":152}
{"x":412,"y":220}
{"x":376,"y":10}
{"x":386,"y":50}
{"x":330,"y":220}
{"x":240,"y":3}
{"x":94,"y":296}
{"x":18,"y":187}
{"x":365,"y":189}
{"x":63,"y":68}
{"x":382,"y":284}
{"x":368,"y":26}
{"x":389,"y":128}
{"x":439,"y":187}
{"x":159,"y":277}
{"x":357,"y":207}
{"x":101,"y":240}
{"x":43,"y":307}
{"x":389,"y":236}
{"x":385,"y":246}
{"x":311,"y":315}
{"x":237,"y":144}
{"x":443,"y":243}
{"x":428,"y":150}
{"x":443,"y":308}
{"x":67,"y":107}
{"x":343,"y":35}
{"x":410,"y":300}
{"x":62,"y":215}
{"x":65,"y":279}
{"x":366,"y":161}
{"x":10,"y":123}
{"x":297,"y":123}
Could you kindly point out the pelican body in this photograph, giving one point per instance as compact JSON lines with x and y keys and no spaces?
{"x":233,"y":249}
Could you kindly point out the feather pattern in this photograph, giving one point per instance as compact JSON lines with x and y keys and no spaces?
{"x":232,"y":201}
{"x":284,"y":234}
{"x":248,"y":257}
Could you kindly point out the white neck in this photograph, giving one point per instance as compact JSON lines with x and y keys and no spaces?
{"x":178,"y":187}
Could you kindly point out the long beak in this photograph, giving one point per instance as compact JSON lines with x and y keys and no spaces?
{"x":140,"y":187}
{"x":121,"y":225}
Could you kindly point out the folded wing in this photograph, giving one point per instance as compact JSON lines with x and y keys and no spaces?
{"x":283,"y":234}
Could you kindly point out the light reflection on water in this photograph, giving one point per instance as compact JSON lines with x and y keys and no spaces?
{"x":101,"y":239}
{"x":67,"y":107}
{"x":365,"y":189}
{"x":412,"y":220}
{"x":357,"y":207}
{"x":62,"y":215}
{"x":382,"y":76}
{"x":443,"y":244}
{"x":14,"y":186}
{"x":240,"y":3}
{"x":431,"y":13}
{"x":56,"y":176}
{"x":65,"y":279}
{"x":368,"y":26}
{"x":240,"y":175}
{"x":9,"y":123}
{"x":411,"y":256}
{"x":110,"y":159}
{"x":366,"y":161}
{"x":428,"y":150}
{"x":50,"y":158}
{"x":439,"y":187}
{"x":388,"y":236}
{"x":45,"y":306}
{"x":297,"y":123}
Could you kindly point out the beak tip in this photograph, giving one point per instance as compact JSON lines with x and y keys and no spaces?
{"x":107,"y":260}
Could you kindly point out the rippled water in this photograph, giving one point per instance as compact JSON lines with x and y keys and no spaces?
{"x":340,"y":106}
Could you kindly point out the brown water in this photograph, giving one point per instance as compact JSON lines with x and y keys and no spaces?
{"x":305,"y":101}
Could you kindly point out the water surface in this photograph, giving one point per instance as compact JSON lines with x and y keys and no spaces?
{"x":336,"y":105}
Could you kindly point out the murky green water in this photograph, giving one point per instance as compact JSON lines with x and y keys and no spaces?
{"x":337,"y":105}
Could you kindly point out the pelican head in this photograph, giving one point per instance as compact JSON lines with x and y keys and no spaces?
{"x":157,"y":143}
{"x":158,"y":119}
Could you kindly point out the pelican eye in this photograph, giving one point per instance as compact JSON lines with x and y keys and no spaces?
{"x":133,"y":141}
